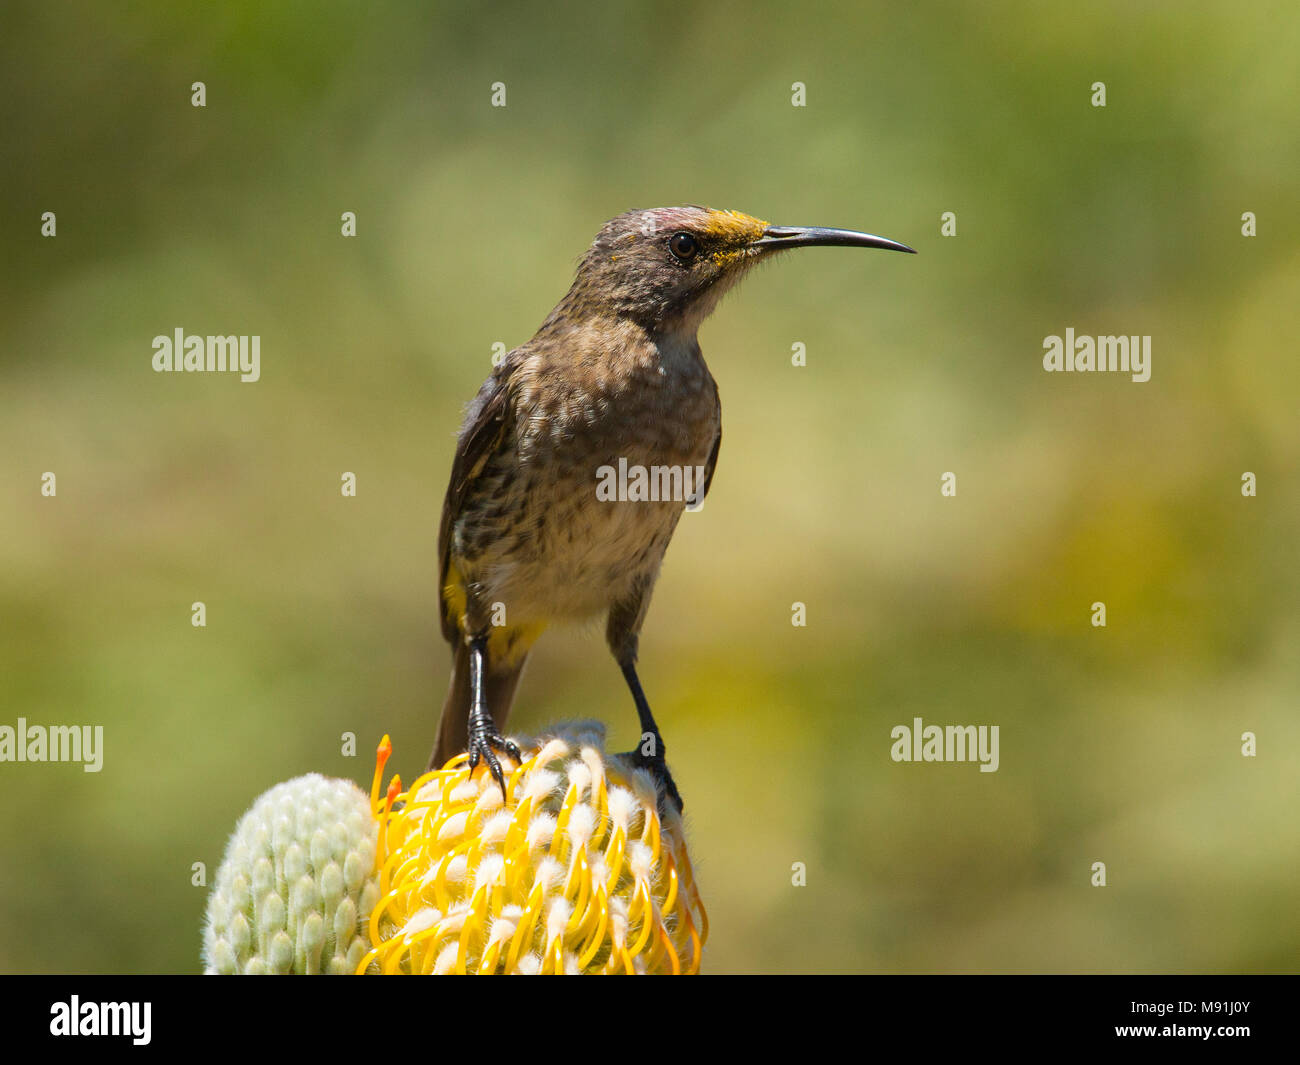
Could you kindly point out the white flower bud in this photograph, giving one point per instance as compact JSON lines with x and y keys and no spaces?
{"x":296,"y":881}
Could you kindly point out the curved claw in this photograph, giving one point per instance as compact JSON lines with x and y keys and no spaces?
{"x":481,"y":746}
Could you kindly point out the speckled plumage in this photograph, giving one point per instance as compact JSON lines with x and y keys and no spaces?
{"x":530,"y":532}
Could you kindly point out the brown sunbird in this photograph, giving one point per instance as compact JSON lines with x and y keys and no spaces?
{"x":612,"y":381}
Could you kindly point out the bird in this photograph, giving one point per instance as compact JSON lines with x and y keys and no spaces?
{"x":537,"y":528}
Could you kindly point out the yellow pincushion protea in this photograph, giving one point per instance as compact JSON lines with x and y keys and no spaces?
{"x":576,"y":871}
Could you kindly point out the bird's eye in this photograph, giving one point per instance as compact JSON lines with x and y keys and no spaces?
{"x":683,"y":245}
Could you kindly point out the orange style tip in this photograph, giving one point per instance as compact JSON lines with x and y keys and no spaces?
{"x":385,"y":748}
{"x":394,"y":789}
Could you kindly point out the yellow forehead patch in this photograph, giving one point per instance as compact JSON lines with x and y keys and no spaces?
{"x":732,"y":227}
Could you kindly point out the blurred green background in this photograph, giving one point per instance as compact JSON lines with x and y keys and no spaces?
{"x":1119,"y":744}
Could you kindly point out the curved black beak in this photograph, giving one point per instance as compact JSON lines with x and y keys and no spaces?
{"x":777,"y":237}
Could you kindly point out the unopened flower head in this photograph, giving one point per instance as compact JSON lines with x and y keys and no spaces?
{"x":576,"y":871}
{"x":296,"y":883}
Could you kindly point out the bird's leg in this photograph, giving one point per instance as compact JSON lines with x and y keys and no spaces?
{"x":654,"y":759}
{"x":484,"y":739}
{"x":625,"y":617}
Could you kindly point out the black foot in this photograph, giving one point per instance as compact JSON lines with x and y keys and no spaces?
{"x":659,"y":770}
{"x":484,"y":742}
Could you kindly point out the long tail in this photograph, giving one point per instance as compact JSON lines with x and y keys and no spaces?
{"x":453,"y":729}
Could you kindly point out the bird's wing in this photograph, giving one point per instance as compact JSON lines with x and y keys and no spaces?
{"x":486,"y":421}
{"x":713,"y":461}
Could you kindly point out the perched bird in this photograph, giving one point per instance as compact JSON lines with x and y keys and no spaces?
{"x":534,"y":530}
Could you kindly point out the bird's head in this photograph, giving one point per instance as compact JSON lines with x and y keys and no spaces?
{"x":668,"y":266}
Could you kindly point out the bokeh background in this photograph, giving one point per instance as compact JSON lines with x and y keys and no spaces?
{"x":1119,"y":744}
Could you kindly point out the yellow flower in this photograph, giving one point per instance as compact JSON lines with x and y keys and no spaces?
{"x":576,"y":871}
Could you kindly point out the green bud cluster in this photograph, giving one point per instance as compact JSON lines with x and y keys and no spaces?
{"x":295,"y":884}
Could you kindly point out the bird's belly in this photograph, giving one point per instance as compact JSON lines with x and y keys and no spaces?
{"x":573,"y":555}
{"x":559,"y":527}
